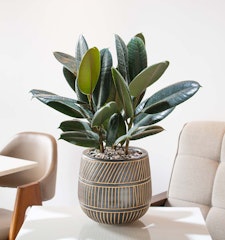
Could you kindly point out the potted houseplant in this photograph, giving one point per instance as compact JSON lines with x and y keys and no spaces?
{"x":108,"y":112}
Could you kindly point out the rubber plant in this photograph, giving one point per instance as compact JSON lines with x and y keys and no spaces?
{"x":109,"y":108}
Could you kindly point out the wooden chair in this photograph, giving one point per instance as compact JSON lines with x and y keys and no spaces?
{"x":198,"y":175}
{"x":34,"y":185}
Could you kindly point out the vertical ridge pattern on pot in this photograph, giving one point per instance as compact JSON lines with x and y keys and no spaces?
{"x":114,"y":192}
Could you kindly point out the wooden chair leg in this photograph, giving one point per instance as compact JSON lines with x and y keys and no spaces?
{"x":27,"y":195}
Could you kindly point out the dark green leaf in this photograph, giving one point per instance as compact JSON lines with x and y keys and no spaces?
{"x":74,"y":125}
{"x":123,"y":92}
{"x":104,"y":113}
{"x":112,"y":129}
{"x":122,"y":127}
{"x":102,"y":90}
{"x":122,"y":57}
{"x":147,"y":77}
{"x":80,"y":96}
{"x":81,"y":138}
{"x":81,"y":49}
{"x":121,"y":139}
{"x":144,"y":119}
{"x":137,"y":57}
{"x":141,"y":36}
{"x":145,"y":132}
{"x":64,"y":105}
{"x":68,"y":61}
{"x":70,"y":78}
{"x":171,"y":96}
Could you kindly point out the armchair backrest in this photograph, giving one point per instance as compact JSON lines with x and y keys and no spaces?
{"x":198,"y":176}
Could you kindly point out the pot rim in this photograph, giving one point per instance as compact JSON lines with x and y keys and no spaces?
{"x":143,"y":154}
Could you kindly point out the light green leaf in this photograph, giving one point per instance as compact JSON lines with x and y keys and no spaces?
{"x":89,"y":71}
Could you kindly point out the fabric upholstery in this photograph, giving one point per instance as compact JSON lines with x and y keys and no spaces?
{"x":198,"y":176}
{"x":34,"y":146}
{"x":5,"y":223}
{"x":38,"y":147}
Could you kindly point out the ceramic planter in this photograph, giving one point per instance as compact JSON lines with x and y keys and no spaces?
{"x":115,"y":191}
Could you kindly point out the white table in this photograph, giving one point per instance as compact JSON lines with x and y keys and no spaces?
{"x":159,"y":223}
{"x":10,"y":165}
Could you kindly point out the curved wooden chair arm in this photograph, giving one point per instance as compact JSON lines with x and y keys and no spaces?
{"x":159,"y":199}
{"x":27,"y":195}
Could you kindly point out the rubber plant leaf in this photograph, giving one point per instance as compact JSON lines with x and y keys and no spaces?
{"x":171,"y":96}
{"x":138,"y":133}
{"x":68,"y":61}
{"x":144,"y":119}
{"x":141,"y":36}
{"x":74,"y":125}
{"x":112,"y":129}
{"x":147,"y":77}
{"x":121,"y":139}
{"x":64,"y":105}
{"x":102,"y":89}
{"x":123,"y":92}
{"x":81,"y":138}
{"x":80,"y":96}
{"x":80,"y":50}
{"x":137,"y":56}
{"x":104,"y":113}
{"x":70,"y":78}
{"x":142,"y":133}
{"x":89,"y":71}
{"x":122,"y":126}
{"x":122,"y":57}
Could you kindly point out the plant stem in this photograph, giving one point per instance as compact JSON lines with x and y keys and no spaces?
{"x":127,"y":146}
{"x":101,"y":145}
{"x":129,"y":125}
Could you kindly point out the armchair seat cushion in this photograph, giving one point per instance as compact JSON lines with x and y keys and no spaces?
{"x":181,"y":203}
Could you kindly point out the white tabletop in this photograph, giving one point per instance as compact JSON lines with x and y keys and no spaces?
{"x":10,"y":165}
{"x":159,"y":223}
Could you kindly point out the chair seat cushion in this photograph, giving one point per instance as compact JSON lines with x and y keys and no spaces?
{"x":173,"y":202}
{"x":5,"y":219}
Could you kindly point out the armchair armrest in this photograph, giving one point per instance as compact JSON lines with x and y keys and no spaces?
{"x":27,"y":195}
{"x":159,"y":199}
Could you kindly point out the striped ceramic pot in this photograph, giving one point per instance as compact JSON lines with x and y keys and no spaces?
{"x":115,"y":191}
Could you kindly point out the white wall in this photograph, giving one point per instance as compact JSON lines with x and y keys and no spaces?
{"x":189,"y":33}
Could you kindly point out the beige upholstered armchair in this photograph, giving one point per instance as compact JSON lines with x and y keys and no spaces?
{"x":33,"y":186}
{"x":198,"y":175}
